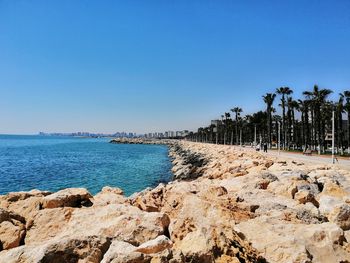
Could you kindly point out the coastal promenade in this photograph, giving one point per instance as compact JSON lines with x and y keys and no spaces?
{"x":343,"y":163}
{"x":225,"y":204}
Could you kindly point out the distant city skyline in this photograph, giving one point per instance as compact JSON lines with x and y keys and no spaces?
{"x":159,"y":135}
{"x":153,"y":66}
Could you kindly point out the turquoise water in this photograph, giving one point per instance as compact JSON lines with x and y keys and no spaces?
{"x":53,"y":163}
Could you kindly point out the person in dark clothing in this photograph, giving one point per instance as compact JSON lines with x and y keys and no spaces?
{"x":265,"y":147}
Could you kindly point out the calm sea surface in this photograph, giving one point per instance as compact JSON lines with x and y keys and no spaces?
{"x":52,"y":163}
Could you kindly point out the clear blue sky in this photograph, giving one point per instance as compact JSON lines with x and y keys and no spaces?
{"x":161,"y":65}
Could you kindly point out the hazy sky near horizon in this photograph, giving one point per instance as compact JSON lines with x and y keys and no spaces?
{"x":143,"y":66}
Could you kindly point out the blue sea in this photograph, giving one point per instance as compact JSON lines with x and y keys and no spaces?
{"x":53,"y":163}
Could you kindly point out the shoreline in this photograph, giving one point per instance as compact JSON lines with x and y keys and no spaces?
{"x":257,"y":202}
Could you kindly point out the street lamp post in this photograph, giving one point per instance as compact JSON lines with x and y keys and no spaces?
{"x":240,"y":138}
{"x":255,"y":136}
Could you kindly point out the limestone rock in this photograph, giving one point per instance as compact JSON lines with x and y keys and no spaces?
{"x":123,"y":252}
{"x":47,"y":224}
{"x":72,"y":197}
{"x":154,"y":246}
{"x":151,"y":200}
{"x":289,"y":242}
{"x":15,"y":196}
{"x":341,"y":216}
{"x":12,"y":229}
{"x":109,"y":195}
{"x":126,"y":222}
{"x":304,"y":196}
{"x":11,"y":234}
{"x":25,"y":204}
{"x":78,"y":249}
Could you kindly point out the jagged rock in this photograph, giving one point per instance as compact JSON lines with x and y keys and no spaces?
{"x":270,"y":177}
{"x":154,"y":246}
{"x":333,"y":189}
{"x":262,"y":184}
{"x":11,"y":234}
{"x":341,"y":216}
{"x":15,"y":196}
{"x":115,"y":220}
{"x":289,"y":242}
{"x":268,"y":164}
{"x":347,"y":235}
{"x":78,"y":249}
{"x":25,"y":204}
{"x":123,"y":252}
{"x":12,"y":229}
{"x":328,"y":203}
{"x":150,"y":201}
{"x":109,"y":195}
{"x":309,"y":217}
{"x":71,"y":197}
{"x":47,"y":224}
{"x":305,"y":196}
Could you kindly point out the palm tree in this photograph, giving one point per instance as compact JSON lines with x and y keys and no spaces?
{"x":347,"y":109}
{"x":291,"y":105}
{"x":222,"y":128}
{"x":269,"y":99}
{"x":318,"y":98}
{"x":227,"y":117}
{"x":284,"y":91}
{"x":303,"y":108}
{"x":237,"y":111}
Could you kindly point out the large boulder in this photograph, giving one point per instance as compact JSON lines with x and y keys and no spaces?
{"x":71,"y":197}
{"x":47,"y":224}
{"x":25,"y":204}
{"x":16,"y":196}
{"x":336,"y":210}
{"x":109,"y":195}
{"x":341,"y":216}
{"x":150,"y":201}
{"x":155,"y":245}
{"x":205,"y":233}
{"x":11,"y":234}
{"x":126,"y":222}
{"x":12,"y":229}
{"x":63,"y":250}
{"x":283,"y":241}
{"x":123,"y":252}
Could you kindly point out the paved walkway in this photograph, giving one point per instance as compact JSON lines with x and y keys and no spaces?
{"x":342,"y":163}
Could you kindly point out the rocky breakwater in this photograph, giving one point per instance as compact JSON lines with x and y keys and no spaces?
{"x":289,"y":211}
{"x":224,"y":205}
{"x":139,"y":141}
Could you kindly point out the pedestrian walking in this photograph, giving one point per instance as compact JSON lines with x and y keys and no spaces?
{"x":265,"y":147}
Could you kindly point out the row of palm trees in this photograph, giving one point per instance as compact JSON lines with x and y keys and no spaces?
{"x":305,"y":123}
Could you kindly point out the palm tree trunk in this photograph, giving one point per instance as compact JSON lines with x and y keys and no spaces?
{"x":236,"y":129}
{"x":348,"y":132}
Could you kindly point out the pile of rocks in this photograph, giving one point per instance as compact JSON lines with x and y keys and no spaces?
{"x":187,"y":165}
{"x":73,"y":226}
